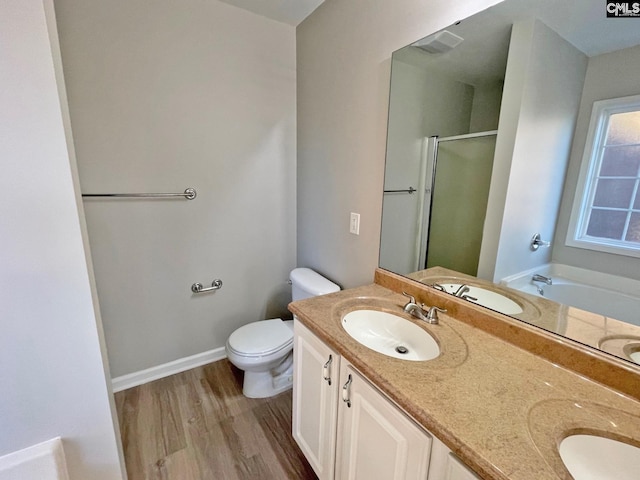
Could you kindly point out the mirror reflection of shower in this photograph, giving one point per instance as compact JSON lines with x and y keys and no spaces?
{"x":455,"y":205}
{"x":441,"y":223}
{"x":456,"y":96}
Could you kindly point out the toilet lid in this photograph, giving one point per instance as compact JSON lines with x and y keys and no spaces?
{"x":261,"y":338}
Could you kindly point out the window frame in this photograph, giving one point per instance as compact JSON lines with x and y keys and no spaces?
{"x":585,"y":187}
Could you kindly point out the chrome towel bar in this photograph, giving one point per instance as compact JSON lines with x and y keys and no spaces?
{"x":199,"y":288}
{"x":409,"y":190}
{"x":189,"y":194}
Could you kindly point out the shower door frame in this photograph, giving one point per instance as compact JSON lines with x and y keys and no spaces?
{"x":431,"y":163}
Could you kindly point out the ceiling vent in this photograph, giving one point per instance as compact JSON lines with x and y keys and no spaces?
{"x":440,"y":42}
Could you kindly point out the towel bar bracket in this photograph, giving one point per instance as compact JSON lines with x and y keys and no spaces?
{"x":199,"y":288}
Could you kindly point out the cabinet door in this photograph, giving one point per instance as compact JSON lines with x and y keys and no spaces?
{"x":446,"y":466}
{"x":376,"y":440}
{"x":315,"y":400}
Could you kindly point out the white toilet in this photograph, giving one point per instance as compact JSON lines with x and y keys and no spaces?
{"x":264,"y":349}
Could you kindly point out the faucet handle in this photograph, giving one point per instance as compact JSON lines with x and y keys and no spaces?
{"x":462,"y":289}
{"x":432,"y":314}
{"x":411,"y":297}
{"x":537,"y":242}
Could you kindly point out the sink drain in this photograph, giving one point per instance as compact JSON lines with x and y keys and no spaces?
{"x":402,"y":349}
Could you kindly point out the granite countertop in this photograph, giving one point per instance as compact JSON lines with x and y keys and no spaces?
{"x":500,"y":408}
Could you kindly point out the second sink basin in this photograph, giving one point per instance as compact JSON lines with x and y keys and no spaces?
{"x":487,"y":298}
{"x":390,"y":335}
{"x":586,"y":440}
{"x":589,"y":457}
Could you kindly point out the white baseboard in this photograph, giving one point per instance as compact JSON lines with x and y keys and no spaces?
{"x":154,"y":373}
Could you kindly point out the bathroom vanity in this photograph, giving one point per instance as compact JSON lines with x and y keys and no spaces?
{"x":344,"y":424}
{"x":495,"y":403}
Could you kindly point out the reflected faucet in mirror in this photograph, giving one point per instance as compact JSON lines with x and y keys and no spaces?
{"x":536,"y":277}
{"x":537,"y":242}
{"x":495,"y":139}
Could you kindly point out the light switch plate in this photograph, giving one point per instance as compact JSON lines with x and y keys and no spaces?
{"x":354,"y":224}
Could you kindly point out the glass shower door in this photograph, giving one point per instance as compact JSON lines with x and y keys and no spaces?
{"x":460,"y":193}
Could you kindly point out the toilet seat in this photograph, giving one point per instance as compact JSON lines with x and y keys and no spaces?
{"x":259,"y":339}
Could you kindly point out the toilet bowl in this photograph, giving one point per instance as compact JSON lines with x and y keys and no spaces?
{"x":264,"y":349}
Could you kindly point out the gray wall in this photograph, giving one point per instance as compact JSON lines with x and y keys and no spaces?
{"x":164,"y":95}
{"x":610,"y":75}
{"x":52,"y":370}
{"x":486,"y":107}
{"x":344,"y":56}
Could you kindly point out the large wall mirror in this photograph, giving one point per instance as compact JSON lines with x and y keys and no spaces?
{"x":494,"y":149}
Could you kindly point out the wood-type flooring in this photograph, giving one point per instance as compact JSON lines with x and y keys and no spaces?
{"x":197,"y":425}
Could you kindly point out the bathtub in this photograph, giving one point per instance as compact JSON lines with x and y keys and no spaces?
{"x":584,"y":289}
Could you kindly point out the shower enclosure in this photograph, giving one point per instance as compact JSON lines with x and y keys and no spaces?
{"x":440,"y":222}
{"x":456,"y":205}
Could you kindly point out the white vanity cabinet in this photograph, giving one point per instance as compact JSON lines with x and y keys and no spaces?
{"x":375,"y":438}
{"x":315,"y":400}
{"x":446,"y":466}
{"x":348,"y":430}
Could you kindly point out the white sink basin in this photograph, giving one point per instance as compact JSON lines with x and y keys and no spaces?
{"x":625,"y":346}
{"x":390,"y":334}
{"x":487,"y":298}
{"x":589,"y":457}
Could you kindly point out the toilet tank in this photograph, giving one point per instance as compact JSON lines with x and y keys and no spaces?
{"x":306,"y":283}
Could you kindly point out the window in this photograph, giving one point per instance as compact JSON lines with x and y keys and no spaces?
{"x":606,"y":211}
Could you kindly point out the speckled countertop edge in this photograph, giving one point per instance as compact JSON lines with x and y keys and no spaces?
{"x":501,"y":409}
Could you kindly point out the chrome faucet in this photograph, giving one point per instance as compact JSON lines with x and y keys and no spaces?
{"x":462,"y":289}
{"x":541,"y":278}
{"x":418,"y":311}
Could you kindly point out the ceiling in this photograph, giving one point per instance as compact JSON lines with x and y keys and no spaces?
{"x":483,"y":53}
{"x":582,"y":22}
{"x":291,"y":12}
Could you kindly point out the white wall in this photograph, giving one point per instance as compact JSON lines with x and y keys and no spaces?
{"x":52,"y":373}
{"x":166,"y":95}
{"x":343,"y":53}
{"x":541,"y":95}
{"x":610,"y":75}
